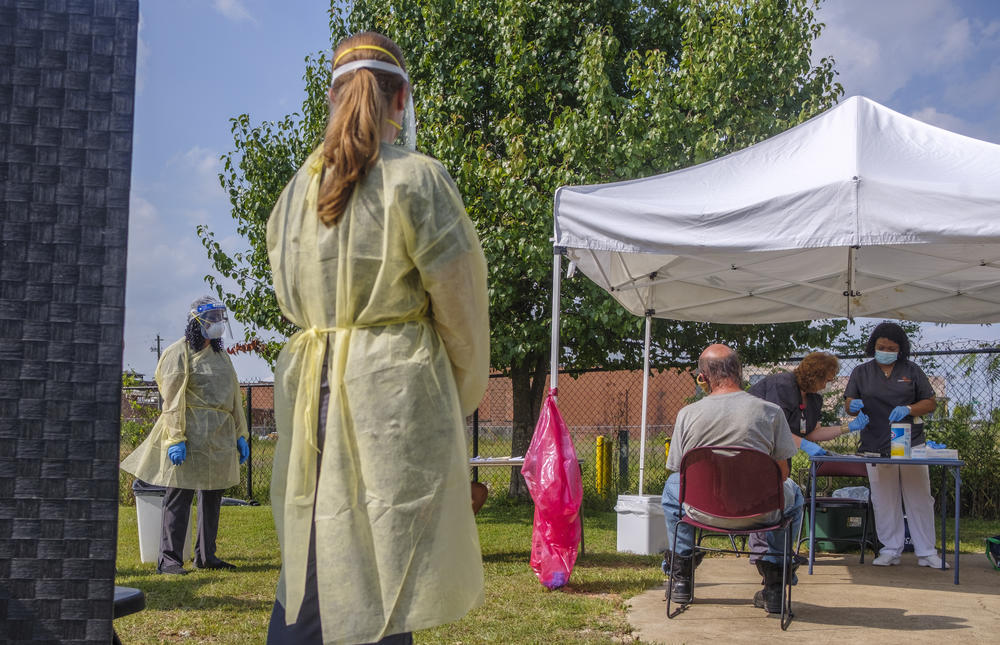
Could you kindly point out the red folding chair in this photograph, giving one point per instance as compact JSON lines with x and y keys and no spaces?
{"x":734,"y":487}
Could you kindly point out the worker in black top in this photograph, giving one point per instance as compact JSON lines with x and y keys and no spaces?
{"x":797,"y":393}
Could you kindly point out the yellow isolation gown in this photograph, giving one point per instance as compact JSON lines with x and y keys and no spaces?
{"x":202,"y":406}
{"x":392,"y":300}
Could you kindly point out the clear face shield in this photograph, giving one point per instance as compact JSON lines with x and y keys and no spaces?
{"x":214,"y":320}
{"x":408,"y":128}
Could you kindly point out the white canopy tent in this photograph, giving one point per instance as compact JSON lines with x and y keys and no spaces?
{"x":860,"y":211}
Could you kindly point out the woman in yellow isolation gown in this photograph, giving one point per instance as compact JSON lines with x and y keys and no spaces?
{"x":375,"y":260}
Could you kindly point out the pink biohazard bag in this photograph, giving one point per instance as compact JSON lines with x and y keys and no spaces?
{"x":553,"y":477}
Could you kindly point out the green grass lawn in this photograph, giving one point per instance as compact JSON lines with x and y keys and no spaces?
{"x":235,"y":606}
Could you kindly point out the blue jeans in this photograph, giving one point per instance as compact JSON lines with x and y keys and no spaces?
{"x":672,"y":513}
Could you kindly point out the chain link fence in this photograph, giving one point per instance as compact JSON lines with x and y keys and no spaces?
{"x":605,"y":408}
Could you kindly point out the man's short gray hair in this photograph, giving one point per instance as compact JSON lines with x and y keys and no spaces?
{"x":717,"y":370}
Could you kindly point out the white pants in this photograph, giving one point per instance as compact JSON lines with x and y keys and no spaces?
{"x":893,"y":486}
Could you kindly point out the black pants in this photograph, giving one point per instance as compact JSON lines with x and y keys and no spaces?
{"x":176,"y":512}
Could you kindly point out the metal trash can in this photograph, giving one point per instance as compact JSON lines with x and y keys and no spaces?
{"x":149,"y":517}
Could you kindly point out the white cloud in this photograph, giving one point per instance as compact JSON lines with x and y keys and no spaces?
{"x":142,"y":53}
{"x":941,"y":119}
{"x":956,"y":43}
{"x":938,"y":60}
{"x":881,"y":46}
{"x":234,"y":10}
{"x":197,"y":169}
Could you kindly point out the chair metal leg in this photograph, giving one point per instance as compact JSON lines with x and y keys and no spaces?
{"x":786,"y":582}
{"x":670,"y":582}
{"x":864,"y":530}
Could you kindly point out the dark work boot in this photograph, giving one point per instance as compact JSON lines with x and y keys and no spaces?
{"x":680,"y":579}
{"x":769,"y":597}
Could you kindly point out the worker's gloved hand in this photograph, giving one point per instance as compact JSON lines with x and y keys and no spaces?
{"x":859,"y":422}
{"x":177,"y":453}
{"x":811,"y":449}
{"x":898,"y":413}
{"x":241,"y":445}
{"x":856,"y":405}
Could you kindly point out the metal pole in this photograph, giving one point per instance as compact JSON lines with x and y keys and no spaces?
{"x":250,"y":441}
{"x":475,"y":443}
{"x":645,"y":401}
{"x":557,"y":252}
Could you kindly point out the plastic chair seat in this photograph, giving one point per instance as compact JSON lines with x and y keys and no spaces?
{"x":128,"y":600}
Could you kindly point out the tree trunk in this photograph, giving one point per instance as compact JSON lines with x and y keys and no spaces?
{"x":528,"y":385}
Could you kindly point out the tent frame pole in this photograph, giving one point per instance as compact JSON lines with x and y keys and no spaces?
{"x":557,"y":253}
{"x":645,"y":400}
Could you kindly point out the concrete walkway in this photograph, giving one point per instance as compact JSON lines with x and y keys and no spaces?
{"x":842,"y":602}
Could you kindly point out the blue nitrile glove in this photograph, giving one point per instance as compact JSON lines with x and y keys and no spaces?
{"x":241,"y":445}
{"x":811,"y":449}
{"x":856,"y":405}
{"x":859,"y":422}
{"x":177,"y":453}
{"x":898,"y":413}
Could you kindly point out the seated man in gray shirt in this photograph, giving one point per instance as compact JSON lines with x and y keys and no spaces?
{"x":728,"y":416}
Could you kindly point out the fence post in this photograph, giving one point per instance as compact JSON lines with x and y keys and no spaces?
{"x":475,"y":443}
{"x":250,"y":441}
{"x":623,"y":481}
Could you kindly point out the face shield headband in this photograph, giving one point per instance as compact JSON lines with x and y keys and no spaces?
{"x":213,"y":318}
{"x":408,"y":128}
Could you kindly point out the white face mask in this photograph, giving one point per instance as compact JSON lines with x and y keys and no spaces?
{"x":213,"y":330}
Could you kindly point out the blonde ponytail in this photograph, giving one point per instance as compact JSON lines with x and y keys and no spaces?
{"x":354,"y":133}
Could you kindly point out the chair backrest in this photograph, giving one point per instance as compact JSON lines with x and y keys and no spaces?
{"x":841,"y":469}
{"x":730,"y":482}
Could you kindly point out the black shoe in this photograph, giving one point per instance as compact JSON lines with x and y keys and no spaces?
{"x":172,"y":569}
{"x":768,"y":599}
{"x":215,"y":563}
{"x":681,"y":589}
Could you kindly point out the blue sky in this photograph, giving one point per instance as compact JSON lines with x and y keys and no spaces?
{"x":202,"y":62}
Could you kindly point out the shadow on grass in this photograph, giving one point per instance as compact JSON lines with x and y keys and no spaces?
{"x":166,"y":593}
{"x":619,"y":560}
{"x":507,"y":556}
{"x":623,"y":587}
{"x":149,"y":571}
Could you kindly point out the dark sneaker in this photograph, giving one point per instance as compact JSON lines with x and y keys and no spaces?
{"x":172,"y":569}
{"x":215,"y":563}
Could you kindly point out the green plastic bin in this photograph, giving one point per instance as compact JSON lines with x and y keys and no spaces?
{"x":839,"y":524}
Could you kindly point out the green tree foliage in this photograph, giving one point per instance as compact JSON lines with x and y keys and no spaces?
{"x":519,"y":97}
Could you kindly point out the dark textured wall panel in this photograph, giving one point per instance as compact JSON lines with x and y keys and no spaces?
{"x":67,"y":80}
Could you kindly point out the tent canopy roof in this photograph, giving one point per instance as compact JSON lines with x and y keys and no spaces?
{"x":860,"y":211}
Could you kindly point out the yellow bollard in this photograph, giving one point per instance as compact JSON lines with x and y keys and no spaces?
{"x":609,"y":448}
{"x":599,"y":466}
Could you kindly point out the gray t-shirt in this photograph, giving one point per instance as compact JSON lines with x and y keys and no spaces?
{"x":734,"y":419}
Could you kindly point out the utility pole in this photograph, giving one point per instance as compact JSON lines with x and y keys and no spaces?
{"x":159,"y":340}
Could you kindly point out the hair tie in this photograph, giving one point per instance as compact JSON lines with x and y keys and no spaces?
{"x":374,"y":47}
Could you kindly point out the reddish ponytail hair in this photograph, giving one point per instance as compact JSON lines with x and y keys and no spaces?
{"x":354,"y":132}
